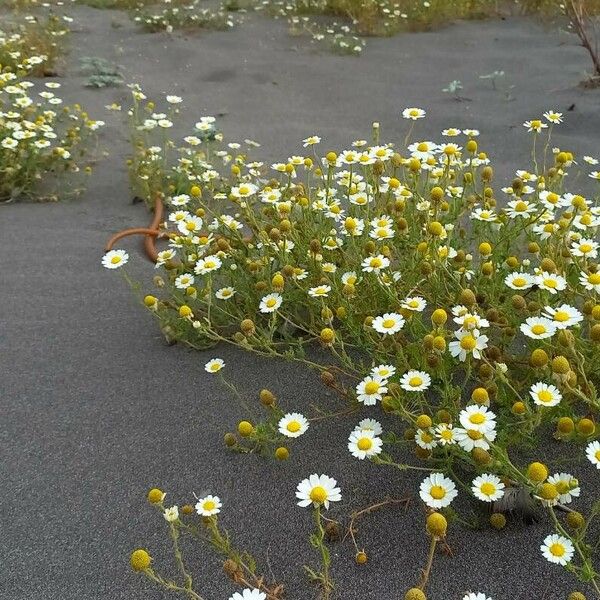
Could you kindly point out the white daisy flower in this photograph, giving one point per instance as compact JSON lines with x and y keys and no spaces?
{"x":487,"y":488}
{"x":244,"y":190}
{"x":249,"y":594}
{"x":270,"y":303}
{"x":293,"y":425}
{"x":225,"y":293}
{"x":207,"y":265}
{"x":413,"y":113}
{"x":190,"y":224}
{"x":592,"y":451}
{"x":468,"y":439}
{"x":425,"y":439}
{"x":214,"y":365}
{"x":384,"y":371}
{"x":415,"y":303}
{"x":318,"y":490}
{"x":468,"y":342}
{"x":370,"y":425}
{"x":374,"y":264}
{"x":563,"y":316}
{"x":590,"y":281}
{"x":388,"y":324}
{"x":544,"y":394}
{"x":115,"y":259}
{"x":311,"y":140}
{"x":171,"y":514}
{"x":208,"y":506}
{"x":444,"y":434}
{"x":585,"y":247}
{"x":557,"y":549}
{"x":321,"y":291}
{"x":538,"y":328}
{"x":184,"y":281}
{"x":476,"y":596}
{"x":364,"y":444}
{"x":437,"y":491}
{"x":550,"y":282}
{"x":371,"y":389}
{"x":567,"y":486}
{"x":415,"y":381}
{"x":477,"y":417}
{"x":535,"y":125}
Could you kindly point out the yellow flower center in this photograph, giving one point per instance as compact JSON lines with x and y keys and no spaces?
{"x":468,"y":342}
{"x":487,"y":488}
{"x":364,"y":444}
{"x":545,"y":396}
{"x":519,"y":282}
{"x":446,"y":434}
{"x":371,"y":388}
{"x":585,"y":248}
{"x":380,"y":152}
{"x":271,"y":302}
{"x":552,"y":198}
{"x":561,"y":315}
{"x":520,"y":206}
{"x":563,"y":487}
{"x":538,"y":329}
{"x":474,"y":434}
{"x":469,"y":322}
{"x":209,"y":505}
{"x":414,"y":112}
{"x":293,"y":426}
{"x":244,"y":189}
{"x":594,"y":278}
{"x":426,"y":438}
{"x":477,"y":418}
{"x":536,"y":124}
{"x":115,"y":260}
{"x":414,"y":304}
{"x":375,"y":262}
{"x":415,"y":381}
{"x":586,"y":219}
{"x":557,"y":550}
{"x":190,"y":225}
{"x":551,"y":283}
{"x":389,"y":323}
{"x":422,"y":147}
{"x":437,"y":492}
{"x":318,"y":494}
{"x":597,"y":455}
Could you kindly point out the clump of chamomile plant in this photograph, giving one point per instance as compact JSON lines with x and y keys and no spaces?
{"x":465,"y":310}
{"x":36,"y":40}
{"x":190,"y":15}
{"x":42,"y":140}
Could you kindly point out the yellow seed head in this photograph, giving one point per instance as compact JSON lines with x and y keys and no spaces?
{"x":560,"y":365}
{"x":424,"y":422}
{"x":497,"y":520}
{"x":439,"y":317}
{"x":415,"y":594}
{"x":586,"y":427}
{"x":538,"y":358}
{"x":245,"y":428}
{"x":140,"y":560}
{"x":155,"y":496}
{"x":437,"y":525}
{"x":282,"y":453}
{"x":537,"y":472}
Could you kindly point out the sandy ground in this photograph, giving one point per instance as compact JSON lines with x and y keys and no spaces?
{"x":96,"y":409}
